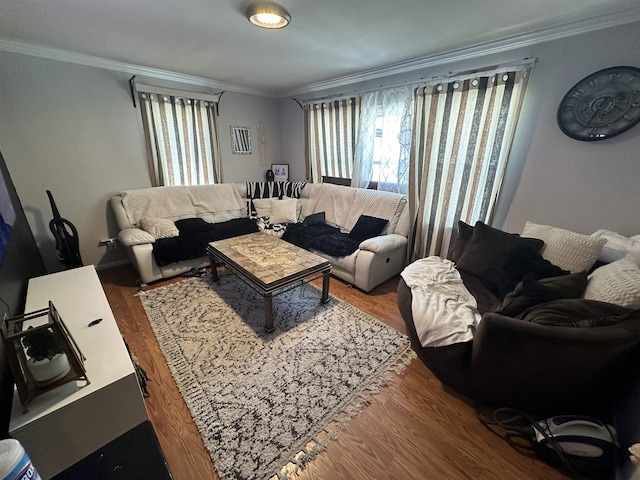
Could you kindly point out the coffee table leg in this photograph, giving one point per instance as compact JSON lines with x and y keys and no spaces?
{"x":268,"y":313}
{"x":214,"y":270}
{"x":325,"y":287}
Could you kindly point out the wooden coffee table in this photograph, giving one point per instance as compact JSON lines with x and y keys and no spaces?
{"x":271,"y":266}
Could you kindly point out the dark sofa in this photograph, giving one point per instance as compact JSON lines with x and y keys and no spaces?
{"x":534,"y":349}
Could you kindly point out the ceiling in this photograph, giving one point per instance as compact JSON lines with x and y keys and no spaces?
{"x":327,"y":43}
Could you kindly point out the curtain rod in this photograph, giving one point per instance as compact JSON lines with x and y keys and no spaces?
{"x":174,"y":92}
{"x":417,"y":82}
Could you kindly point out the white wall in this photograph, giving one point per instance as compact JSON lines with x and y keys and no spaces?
{"x":73,"y":130}
{"x":551,"y":178}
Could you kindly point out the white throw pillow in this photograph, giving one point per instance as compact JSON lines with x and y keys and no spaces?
{"x":568,"y":250}
{"x":617,"y":283}
{"x":159,"y":227}
{"x":617,"y":247}
{"x":262,"y":206}
{"x":283,"y":211}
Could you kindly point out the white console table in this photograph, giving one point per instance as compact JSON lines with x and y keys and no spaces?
{"x":70,"y":422}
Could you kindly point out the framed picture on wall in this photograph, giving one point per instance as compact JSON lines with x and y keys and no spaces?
{"x":280,"y":172}
{"x":241,"y":140}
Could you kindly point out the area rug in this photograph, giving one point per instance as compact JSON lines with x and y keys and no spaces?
{"x":266,"y":404}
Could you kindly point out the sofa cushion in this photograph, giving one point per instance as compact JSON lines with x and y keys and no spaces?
{"x":465,"y":232}
{"x":159,"y":227}
{"x":284,"y":211}
{"x":488,"y":247}
{"x":617,"y":247}
{"x":531,"y":291}
{"x":506,"y":275}
{"x":192,"y":225}
{"x":277,"y":211}
{"x":617,"y":283}
{"x":314,"y":218}
{"x":262,"y":207}
{"x":569,"y":250}
{"x":577,"y":312}
{"x":367,"y":227}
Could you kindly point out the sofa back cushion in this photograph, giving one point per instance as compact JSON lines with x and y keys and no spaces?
{"x":488,"y":247}
{"x":344,"y":205}
{"x":569,"y":250}
{"x":531,"y":291}
{"x":577,"y":312}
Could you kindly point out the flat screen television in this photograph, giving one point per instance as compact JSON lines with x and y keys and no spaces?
{"x":20,"y":261}
{"x":7,"y":217}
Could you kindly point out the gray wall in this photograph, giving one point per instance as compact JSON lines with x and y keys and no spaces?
{"x":551,"y":178}
{"x":73,"y":130}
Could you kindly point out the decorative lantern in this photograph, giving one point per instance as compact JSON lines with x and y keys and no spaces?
{"x":41,"y":352}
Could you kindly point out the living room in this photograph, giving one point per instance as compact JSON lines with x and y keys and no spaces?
{"x":68,"y":125}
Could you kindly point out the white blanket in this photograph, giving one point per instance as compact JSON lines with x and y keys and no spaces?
{"x":180,"y":201}
{"x":344,"y":205}
{"x":444,"y":312}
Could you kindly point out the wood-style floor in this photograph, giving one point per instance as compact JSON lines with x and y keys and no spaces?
{"x":413,"y":429}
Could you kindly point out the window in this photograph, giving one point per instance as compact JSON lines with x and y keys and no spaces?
{"x":384,"y":136}
{"x":181,"y":138}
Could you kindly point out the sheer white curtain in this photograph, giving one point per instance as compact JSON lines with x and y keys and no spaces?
{"x":384,"y":138}
{"x":462,"y":133}
{"x":331,"y":129}
{"x":182,"y":139}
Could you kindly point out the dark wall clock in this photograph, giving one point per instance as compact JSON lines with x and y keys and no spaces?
{"x":602,"y":105}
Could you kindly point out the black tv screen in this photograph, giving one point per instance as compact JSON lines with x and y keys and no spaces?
{"x":7,"y":217}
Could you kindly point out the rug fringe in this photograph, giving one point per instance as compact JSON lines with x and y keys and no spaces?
{"x":318,"y":445}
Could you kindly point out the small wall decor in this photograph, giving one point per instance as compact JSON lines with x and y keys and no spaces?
{"x":240,"y":140}
{"x":280,"y":172}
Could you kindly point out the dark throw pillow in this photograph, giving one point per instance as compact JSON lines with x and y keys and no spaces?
{"x":314,"y":218}
{"x":521,"y":262}
{"x":488,"y":247}
{"x":531,"y":291}
{"x":192,"y":225}
{"x":367,"y":227}
{"x":577,"y":312}
{"x":465,"y":232}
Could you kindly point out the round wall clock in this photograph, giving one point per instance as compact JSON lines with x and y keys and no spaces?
{"x":602,"y":105}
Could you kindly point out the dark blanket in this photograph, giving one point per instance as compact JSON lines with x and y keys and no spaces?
{"x":194,"y":236}
{"x":321,"y":237}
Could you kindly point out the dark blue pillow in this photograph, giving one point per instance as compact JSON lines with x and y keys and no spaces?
{"x":367,"y":227}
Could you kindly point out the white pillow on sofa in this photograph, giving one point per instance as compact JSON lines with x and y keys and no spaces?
{"x":277,"y":211}
{"x":262,"y":206}
{"x":618,"y":246}
{"x":284,"y":211}
{"x":159,"y":227}
{"x":617,"y":283}
{"x":568,"y":250}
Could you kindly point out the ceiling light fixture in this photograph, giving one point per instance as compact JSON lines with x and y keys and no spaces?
{"x":268,"y":15}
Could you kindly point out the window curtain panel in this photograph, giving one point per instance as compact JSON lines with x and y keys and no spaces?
{"x":462,"y":133}
{"x":331,"y":129}
{"x":182,"y":140}
{"x":384,"y":140}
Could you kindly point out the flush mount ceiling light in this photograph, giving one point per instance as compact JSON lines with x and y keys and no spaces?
{"x":268,"y":15}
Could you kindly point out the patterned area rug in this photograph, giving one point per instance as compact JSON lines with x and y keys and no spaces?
{"x":266,"y":404}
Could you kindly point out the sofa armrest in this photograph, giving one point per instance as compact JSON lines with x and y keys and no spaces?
{"x":135,"y":236}
{"x":547,"y":368}
{"x":383,"y":243}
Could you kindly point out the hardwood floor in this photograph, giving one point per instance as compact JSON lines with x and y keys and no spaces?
{"x":413,"y":429}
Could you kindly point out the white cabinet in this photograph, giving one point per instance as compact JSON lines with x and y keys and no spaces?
{"x":68,"y":423}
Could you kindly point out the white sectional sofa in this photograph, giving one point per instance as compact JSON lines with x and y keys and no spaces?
{"x":376,"y":260}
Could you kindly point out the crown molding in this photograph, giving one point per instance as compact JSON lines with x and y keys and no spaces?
{"x":505,"y":45}
{"x":98,"y":62}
